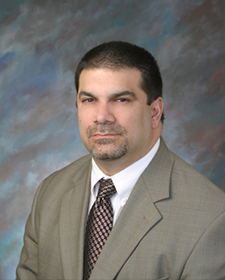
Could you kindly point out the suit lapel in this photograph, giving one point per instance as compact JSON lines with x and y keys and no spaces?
{"x":138,"y":216}
{"x":72,"y":225}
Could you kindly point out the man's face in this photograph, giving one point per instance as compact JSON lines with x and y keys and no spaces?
{"x":114,"y":118}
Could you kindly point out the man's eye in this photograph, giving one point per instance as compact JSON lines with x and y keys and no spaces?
{"x":122,"y":99}
{"x":88,"y":100}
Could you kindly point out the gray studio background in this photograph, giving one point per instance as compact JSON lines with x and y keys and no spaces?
{"x":41,"y":43}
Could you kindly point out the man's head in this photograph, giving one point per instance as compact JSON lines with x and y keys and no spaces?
{"x":116,"y":124}
{"x":117,"y":55}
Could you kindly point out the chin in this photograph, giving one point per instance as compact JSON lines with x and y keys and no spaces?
{"x":109,"y":156}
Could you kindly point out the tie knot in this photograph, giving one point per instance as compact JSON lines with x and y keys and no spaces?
{"x":106,"y":188}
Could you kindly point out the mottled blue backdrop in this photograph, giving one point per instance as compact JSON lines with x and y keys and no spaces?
{"x":41,"y":42}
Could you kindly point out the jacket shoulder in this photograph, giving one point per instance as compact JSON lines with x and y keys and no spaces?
{"x":61,"y":181}
{"x":71,"y":169}
{"x":187,"y":182}
{"x":184,"y":173}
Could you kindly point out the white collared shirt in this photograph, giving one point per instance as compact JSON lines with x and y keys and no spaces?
{"x":124,"y":181}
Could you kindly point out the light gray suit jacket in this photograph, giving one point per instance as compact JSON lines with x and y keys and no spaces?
{"x":172,"y":226}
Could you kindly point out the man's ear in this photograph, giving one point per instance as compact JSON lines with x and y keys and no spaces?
{"x":156,"y":111}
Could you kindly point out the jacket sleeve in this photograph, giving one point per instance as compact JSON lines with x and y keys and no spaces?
{"x":207,"y":259}
{"x":27,"y":268}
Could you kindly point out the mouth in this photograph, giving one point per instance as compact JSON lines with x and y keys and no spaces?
{"x":106,"y":135}
{"x":105,"y":132}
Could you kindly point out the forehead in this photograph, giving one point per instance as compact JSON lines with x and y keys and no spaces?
{"x":105,"y":78}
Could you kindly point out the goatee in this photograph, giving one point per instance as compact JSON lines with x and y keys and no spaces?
{"x":114,"y":150}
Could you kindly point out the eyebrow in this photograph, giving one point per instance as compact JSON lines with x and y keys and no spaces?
{"x":113,"y":95}
{"x":84,"y":93}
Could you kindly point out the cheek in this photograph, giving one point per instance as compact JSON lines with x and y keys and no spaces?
{"x":133,"y":127}
{"x":86,"y":113}
{"x":82,"y":125}
{"x":139,"y":118}
{"x":140,"y":123}
{"x":84,"y":119}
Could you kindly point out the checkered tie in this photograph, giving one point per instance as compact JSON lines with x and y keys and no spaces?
{"x":99,"y":225}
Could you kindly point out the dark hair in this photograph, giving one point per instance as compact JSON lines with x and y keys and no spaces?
{"x":118,"y":55}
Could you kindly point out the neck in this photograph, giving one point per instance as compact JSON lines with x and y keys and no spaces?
{"x":111,"y":167}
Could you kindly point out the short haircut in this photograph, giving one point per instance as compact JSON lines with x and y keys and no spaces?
{"x":118,"y":55}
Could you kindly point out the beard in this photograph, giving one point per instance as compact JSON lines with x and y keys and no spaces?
{"x":107,"y":149}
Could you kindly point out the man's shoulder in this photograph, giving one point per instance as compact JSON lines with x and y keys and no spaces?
{"x":192,"y":184}
{"x":186,"y":178}
{"x":183,"y":169}
{"x":62,"y":180}
{"x":73,"y":167}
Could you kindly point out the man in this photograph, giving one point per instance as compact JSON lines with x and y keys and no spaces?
{"x":164,"y":219}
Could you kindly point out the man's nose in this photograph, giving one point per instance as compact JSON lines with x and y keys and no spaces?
{"x":103,"y":114}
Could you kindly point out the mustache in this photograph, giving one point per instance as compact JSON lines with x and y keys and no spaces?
{"x":105,"y":129}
